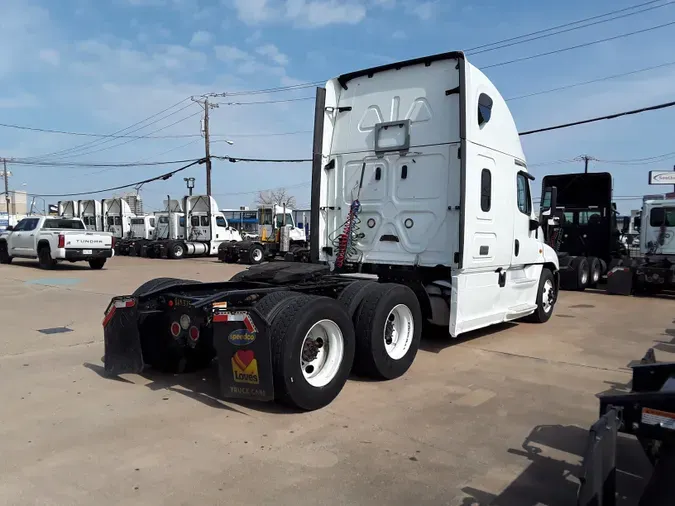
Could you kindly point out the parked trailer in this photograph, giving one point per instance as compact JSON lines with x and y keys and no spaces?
{"x":589,"y":241}
{"x":439,"y":216}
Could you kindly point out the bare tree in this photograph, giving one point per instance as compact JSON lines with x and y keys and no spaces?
{"x":279,"y":197}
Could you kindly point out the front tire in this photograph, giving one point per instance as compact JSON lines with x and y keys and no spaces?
{"x":256,"y":255}
{"x":388,"y":331}
{"x":313,"y":348}
{"x":547,"y":295}
{"x":177,"y":250}
{"x":4,"y":254}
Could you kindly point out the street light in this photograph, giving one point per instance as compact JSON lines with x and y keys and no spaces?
{"x":231,"y":143}
{"x":190,"y":181}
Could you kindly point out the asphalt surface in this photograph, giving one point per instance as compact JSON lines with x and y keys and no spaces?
{"x":498,"y":417}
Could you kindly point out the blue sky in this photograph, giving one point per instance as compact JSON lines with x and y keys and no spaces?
{"x":92,"y":66}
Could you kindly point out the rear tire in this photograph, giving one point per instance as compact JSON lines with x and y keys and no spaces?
{"x":4,"y":254}
{"x":547,"y":296}
{"x":581,"y":270}
{"x":159,"y":283}
{"x":381,"y":352}
{"x":97,"y":263}
{"x":595,"y":271}
{"x":352,"y":296}
{"x":45,"y":258}
{"x":313,"y":347}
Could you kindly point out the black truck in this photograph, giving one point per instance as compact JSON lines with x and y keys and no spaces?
{"x":587,"y":240}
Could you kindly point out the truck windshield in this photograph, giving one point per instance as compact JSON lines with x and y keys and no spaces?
{"x":662,"y":216}
{"x":63,"y":224}
{"x":137,"y":221}
{"x":164,"y":219}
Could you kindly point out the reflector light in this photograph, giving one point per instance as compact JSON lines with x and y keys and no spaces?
{"x":194,"y":333}
{"x":62,"y":241}
{"x":175,"y":329}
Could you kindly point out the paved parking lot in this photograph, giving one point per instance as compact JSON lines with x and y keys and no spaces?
{"x":498,"y":417}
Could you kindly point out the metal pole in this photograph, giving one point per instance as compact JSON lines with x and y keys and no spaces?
{"x":207,"y":147}
{"x":4,"y":162}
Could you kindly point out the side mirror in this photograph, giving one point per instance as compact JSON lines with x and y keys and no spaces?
{"x":626,"y":225}
{"x":534,"y":225}
{"x":636,"y":223}
{"x":550,"y":200}
{"x":9,"y":228}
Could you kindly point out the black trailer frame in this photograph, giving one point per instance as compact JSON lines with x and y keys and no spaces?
{"x":646,"y":412}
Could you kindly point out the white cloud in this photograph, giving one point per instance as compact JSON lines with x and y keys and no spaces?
{"x":306,"y":13}
{"x":20,"y":101}
{"x":201,"y":38}
{"x":424,"y":10}
{"x":231,"y":53}
{"x":272,"y":52}
{"x":50,"y":56}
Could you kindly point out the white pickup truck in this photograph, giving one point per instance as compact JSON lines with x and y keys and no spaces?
{"x":52,"y":239}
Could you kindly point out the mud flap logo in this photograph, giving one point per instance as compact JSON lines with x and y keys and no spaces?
{"x":245,"y":367}
{"x":241,"y":337}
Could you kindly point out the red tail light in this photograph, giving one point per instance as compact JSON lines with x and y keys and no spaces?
{"x":62,"y":241}
{"x":194,"y":333}
{"x":175,"y":329}
{"x":113,"y":242}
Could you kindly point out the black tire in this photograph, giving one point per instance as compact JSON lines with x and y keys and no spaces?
{"x":274,"y":300}
{"x":45,"y":259}
{"x":372,"y":358}
{"x":238,"y":276}
{"x":595,"y":271}
{"x":176,"y":250}
{"x":97,"y":263}
{"x":542,"y":314}
{"x":289,"y":328}
{"x":256,"y":254}
{"x":352,"y":296}
{"x":581,"y":270}
{"x":4,"y":254}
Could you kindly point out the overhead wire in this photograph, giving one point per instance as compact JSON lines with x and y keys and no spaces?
{"x":499,"y":45}
{"x":91,"y":143}
{"x":164,"y":176}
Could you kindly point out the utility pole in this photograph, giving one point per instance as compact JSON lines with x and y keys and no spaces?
{"x":586,"y":159}
{"x":203,"y":101}
{"x":4,"y":172}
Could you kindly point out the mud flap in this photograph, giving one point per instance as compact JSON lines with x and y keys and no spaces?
{"x":122,"y":341}
{"x":598,"y":469}
{"x":243,"y":348}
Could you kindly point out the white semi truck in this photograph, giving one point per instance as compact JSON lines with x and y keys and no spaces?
{"x":201,"y":229}
{"x":421,"y":212}
{"x":654,"y":271}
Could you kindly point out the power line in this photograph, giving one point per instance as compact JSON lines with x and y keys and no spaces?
{"x":86,"y":134}
{"x":164,"y":177}
{"x":286,"y":187}
{"x":503,"y":42}
{"x":94,"y":142}
{"x":94,"y":164}
{"x":234,"y":159}
{"x":268,"y":101}
{"x":98,"y":150}
{"x":640,"y":161}
{"x":578,"y":46}
{"x":599,"y":118}
{"x":584,"y":83}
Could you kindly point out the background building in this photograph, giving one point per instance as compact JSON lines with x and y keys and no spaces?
{"x":18,"y":203}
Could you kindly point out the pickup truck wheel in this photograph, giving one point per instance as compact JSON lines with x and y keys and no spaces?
{"x":312,"y":351}
{"x":256,"y":255}
{"x":388,"y":331}
{"x":546,"y":298}
{"x":4,"y":254}
{"x":45,"y":259}
{"x":97,"y":263}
